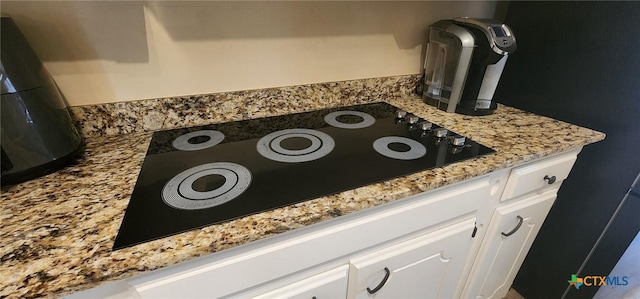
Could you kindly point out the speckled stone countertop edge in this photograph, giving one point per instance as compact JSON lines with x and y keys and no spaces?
{"x":48,"y":251}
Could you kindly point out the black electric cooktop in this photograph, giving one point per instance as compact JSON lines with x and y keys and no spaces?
{"x":194,"y":177}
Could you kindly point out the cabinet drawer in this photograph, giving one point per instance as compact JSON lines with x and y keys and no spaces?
{"x":329,"y":284}
{"x":537,"y":175}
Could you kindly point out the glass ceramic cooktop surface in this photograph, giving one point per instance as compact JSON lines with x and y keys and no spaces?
{"x":195,"y":177}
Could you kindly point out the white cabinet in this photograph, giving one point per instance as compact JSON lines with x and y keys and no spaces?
{"x":509,"y":237}
{"x":428,"y":266}
{"x":527,"y":198}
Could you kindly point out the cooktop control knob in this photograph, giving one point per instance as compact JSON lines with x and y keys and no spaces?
{"x":457,"y":140}
{"x":401,"y":113}
{"x":425,"y":125}
{"x":412,"y":119}
{"x":440,"y":132}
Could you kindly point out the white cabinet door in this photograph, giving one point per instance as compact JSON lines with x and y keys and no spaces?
{"x":428,"y":266}
{"x":511,"y":232}
{"x":329,"y":284}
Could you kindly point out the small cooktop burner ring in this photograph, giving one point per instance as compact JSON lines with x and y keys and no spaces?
{"x":270,"y":146}
{"x":416,"y":149}
{"x":179,"y":192}
{"x":332,"y":119}
{"x":182,"y":142}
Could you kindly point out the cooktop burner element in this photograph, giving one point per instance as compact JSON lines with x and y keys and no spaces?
{"x":198,"y":140}
{"x":415,"y":149}
{"x":195,"y":177}
{"x":366,"y":119}
{"x":179,"y":192}
{"x":270,"y":146}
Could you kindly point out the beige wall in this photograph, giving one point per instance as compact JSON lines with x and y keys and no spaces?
{"x":111,"y":51}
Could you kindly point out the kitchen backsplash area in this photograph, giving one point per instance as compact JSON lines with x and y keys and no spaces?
{"x":113,"y":51}
{"x":192,"y":110}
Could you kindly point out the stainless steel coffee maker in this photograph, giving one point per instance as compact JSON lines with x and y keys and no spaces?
{"x":463,"y":63}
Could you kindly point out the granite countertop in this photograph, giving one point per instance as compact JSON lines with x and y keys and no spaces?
{"x":58,"y":230}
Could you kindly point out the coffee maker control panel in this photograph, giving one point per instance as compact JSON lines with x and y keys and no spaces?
{"x":501,"y":38}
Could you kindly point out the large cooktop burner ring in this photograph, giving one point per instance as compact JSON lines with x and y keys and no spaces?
{"x":182,"y":142}
{"x":332,"y":119}
{"x":270,"y":146}
{"x":416,"y":149}
{"x":179,"y":192}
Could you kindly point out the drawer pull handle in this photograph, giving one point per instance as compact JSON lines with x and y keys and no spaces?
{"x":382,"y":283}
{"x":520,"y":220}
{"x":550,"y":180}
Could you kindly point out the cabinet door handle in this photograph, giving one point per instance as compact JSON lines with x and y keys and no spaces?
{"x":520,"y":220}
{"x":382,"y":283}
{"x":550,"y":179}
